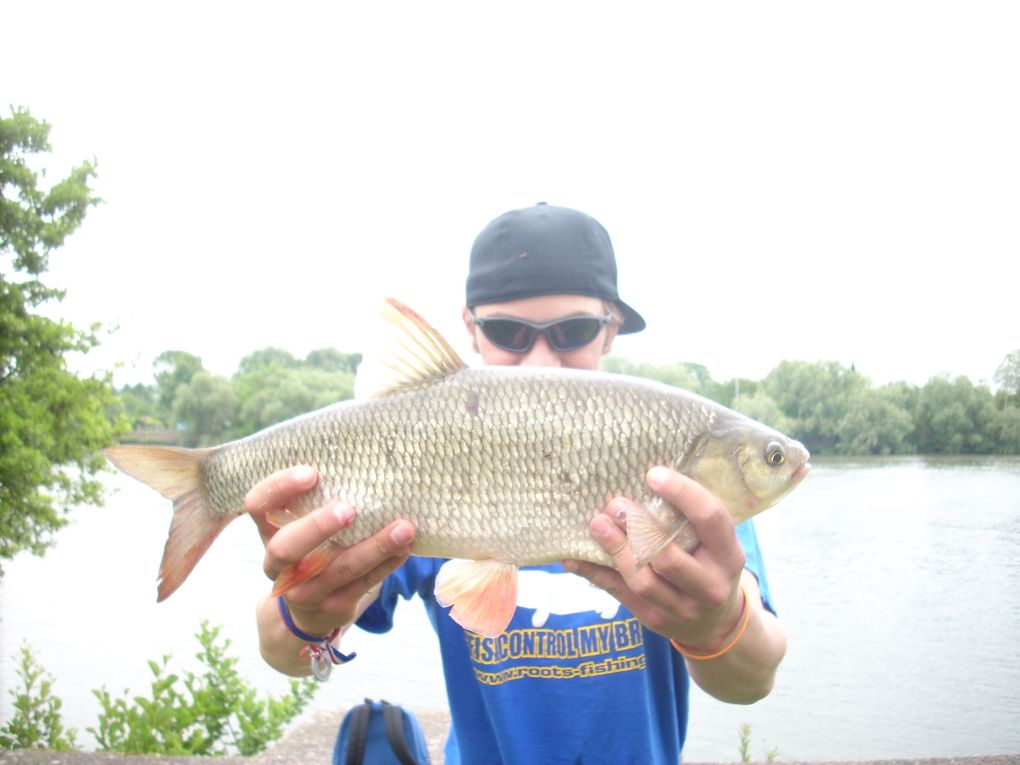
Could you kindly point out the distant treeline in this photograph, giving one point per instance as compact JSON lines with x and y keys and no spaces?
{"x":832,"y":409}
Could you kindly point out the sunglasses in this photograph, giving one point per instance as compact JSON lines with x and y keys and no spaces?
{"x":518,"y":335}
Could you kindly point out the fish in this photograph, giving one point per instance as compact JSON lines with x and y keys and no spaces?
{"x":497,"y":467}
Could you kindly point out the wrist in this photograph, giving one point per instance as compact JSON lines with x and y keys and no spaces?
{"x":319,"y":650}
{"x":310,"y":621}
{"x":728,"y":638}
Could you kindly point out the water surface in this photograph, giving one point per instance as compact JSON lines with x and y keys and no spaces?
{"x":898,"y":581}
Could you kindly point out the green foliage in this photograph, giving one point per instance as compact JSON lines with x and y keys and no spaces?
{"x":816,"y":397}
{"x":762,"y":407}
{"x":835,"y":410}
{"x":1007,"y":377}
{"x":206,"y":407}
{"x":273,"y":395}
{"x":52,"y":423}
{"x":332,"y":360}
{"x":138,"y":403}
{"x":36,"y":723}
{"x":213,"y":713}
{"x":956,"y":417}
{"x":687,"y":376}
{"x":171,"y":370}
{"x":832,"y":409}
{"x":745,"y":746}
{"x":874,"y":423}
{"x":270,"y":386}
{"x":268,"y":359}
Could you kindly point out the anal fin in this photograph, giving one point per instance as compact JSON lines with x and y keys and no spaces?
{"x":315,"y":562}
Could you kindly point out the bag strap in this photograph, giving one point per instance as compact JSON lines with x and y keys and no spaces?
{"x":358,"y":734}
{"x":393,"y":717}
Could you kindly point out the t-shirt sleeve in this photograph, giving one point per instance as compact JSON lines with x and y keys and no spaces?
{"x":754,"y":562}
{"x":416,"y":577}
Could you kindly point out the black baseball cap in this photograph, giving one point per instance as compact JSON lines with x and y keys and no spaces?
{"x":545,"y":250}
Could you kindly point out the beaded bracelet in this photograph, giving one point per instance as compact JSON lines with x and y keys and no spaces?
{"x":320,"y":651}
{"x":744,"y":617}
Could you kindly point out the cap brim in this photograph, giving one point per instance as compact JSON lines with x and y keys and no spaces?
{"x":632,"y":321}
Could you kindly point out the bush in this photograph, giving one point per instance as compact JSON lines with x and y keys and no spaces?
{"x":36,"y":723}
{"x":213,"y":713}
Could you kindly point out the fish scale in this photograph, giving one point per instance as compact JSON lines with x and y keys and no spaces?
{"x":488,"y":460}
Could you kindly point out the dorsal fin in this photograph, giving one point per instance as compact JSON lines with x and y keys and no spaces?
{"x":410,"y":352}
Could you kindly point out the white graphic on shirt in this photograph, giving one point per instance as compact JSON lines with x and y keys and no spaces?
{"x":561,"y":594}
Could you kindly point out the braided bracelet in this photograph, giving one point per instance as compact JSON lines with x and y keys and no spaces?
{"x":320,"y":651}
{"x":744,"y":617}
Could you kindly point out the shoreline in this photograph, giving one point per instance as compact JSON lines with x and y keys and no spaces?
{"x":312,"y":741}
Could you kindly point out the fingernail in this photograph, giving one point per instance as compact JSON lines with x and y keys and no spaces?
{"x":618,"y":509}
{"x":344,"y":513}
{"x":657,"y":476}
{"x":571,"y":566}
{"x":601,"y":526}
{"x":401,"y":533}
{"x":303,"y":473}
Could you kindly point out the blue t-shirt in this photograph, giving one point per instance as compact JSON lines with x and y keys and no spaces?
{"x":574,"y":679}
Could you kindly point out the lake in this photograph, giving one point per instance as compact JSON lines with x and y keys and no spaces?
{"x":898,"y":581}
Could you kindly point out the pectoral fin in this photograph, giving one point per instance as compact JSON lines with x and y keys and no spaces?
{"x":648,"y":532}
{"x":483,"y":594}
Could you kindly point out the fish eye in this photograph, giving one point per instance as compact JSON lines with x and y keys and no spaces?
{"x":774,"y":454}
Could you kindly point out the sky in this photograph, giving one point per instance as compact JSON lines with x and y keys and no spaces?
{"x":809,"y":181}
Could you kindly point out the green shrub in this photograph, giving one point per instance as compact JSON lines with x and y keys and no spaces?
{"x":36,"y":723}
{"x":213,"y":713}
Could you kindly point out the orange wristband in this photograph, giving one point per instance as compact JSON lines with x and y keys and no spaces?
{"x":744,"y":618}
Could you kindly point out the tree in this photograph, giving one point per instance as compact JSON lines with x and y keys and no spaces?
{"x":332,"y":360}
{"x":1007,"y":377}
{"x":206,"y":408}
{"x":140,"y":404}
{"x":760,"y":406}
{"x":679,"y":375}
{"x":52,"y":423}
{"x":874,"y":423}
{"x":956,"y":417}
{"x":815,"y":398}
{"x":171,"y":370}
{"x":266,"y":399}
{"x":267,"y":358}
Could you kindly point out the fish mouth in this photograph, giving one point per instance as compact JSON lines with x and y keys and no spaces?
{"x":800,"y":473}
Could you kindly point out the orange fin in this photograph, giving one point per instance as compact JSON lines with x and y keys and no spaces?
{"x":280,"y":517}
{"x":650,"y":532}
{"x":314,"y":563}
{"x":177,"y":475}
{"x":483,"y":594}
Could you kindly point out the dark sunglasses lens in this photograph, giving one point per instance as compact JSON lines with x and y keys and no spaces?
{"x":571,"y":334}
{"x":509,"y":334}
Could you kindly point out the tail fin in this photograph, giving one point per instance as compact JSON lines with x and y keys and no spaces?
{"x":177,"y":475}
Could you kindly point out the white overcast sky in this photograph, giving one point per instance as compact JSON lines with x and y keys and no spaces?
{"x":794,"y":180}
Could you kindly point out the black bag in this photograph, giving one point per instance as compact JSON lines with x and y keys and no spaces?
{"x":380,"y":733}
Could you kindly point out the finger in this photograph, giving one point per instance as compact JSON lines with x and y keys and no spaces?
{"x":275,"y":491}
{"x":296,"y":540}
{"x":645,"y":582}
{"x":711,"y":520}
{"x":358,"y":568}
{"x":357,"y":561}
{"x":340,"y":597}
{"x":603,"y":577}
